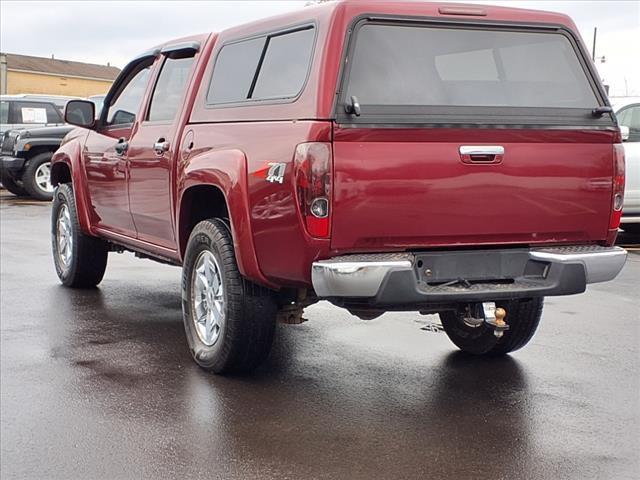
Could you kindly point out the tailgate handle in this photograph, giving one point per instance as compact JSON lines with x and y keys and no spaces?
{"x":481,"y":153}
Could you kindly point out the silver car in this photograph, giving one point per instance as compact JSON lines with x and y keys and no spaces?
{"x":628,"y":113}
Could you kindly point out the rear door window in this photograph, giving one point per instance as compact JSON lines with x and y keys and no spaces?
{"x":169,"y":88}
{"x":392,"y":65}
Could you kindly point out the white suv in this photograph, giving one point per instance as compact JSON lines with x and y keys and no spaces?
{"x":628,"y":113}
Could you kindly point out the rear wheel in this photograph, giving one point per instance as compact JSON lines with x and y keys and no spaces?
{"x":80,"y":259}
{"x":523,"y":317}
{"x":11,"y":185}
{"x":229,"y":321}
{"x":37,"y":177}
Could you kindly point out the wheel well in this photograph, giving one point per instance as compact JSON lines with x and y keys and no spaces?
{"x":60,"y":173}
{"x":199,"y":203}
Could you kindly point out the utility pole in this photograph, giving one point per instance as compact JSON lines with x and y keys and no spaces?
{"x":593,"y":51}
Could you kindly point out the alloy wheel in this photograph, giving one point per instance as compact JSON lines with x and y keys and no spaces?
{"x":207,"y":298}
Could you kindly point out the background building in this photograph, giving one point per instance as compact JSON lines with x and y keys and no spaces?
{"x":26,"y":74}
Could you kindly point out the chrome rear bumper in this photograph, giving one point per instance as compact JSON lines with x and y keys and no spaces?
{"x":457,"y":275}
{"x":601,"y":264}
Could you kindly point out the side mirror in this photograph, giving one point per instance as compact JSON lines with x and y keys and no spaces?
{"x":624,"y":131}
{"x":122,"y":117}
{"x":80,"y":113}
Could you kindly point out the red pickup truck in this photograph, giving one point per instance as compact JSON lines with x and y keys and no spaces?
{"x":460,"y":160}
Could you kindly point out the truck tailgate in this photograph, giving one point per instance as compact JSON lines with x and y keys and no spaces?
{"x":410,"y":188}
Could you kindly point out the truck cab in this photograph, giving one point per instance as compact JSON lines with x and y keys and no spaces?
{"x":383,"y":156}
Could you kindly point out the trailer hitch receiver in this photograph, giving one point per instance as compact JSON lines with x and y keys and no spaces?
{"x":494,"y":318}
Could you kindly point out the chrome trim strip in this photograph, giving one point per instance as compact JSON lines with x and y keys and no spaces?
{"x":481,"y":150}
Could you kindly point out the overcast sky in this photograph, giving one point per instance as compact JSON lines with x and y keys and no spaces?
{"x":114,"y":31}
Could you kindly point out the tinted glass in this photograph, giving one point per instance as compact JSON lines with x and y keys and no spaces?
{"x":285,"y":65}
{"x":34,"y":112}
{"x":169,"y":88}
{"x":125,"y":107}
{"x":234,"y":71}
{"x":409,"y":65}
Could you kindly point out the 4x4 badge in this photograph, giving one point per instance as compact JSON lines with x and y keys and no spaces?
{"x":276,"y":172}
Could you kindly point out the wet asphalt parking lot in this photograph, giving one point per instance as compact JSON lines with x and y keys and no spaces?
{"x":99,"y":384}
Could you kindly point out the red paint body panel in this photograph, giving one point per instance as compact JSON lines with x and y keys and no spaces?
{"x":226,"y":171}
{"x":410,"y":189}
{"x":394,"y":188}
{"x":149,"y":186}
{"x":107,"y":181}
{"x":265,"y":220}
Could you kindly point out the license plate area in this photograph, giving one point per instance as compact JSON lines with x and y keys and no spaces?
{"x":486,"y":266}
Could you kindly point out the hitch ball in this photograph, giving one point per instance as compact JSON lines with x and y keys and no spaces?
{"x":500,"y":323}
{"x":494,"y":318}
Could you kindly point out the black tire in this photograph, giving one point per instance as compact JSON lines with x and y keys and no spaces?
{"x":630,"y":228}
{"x":88,"y":258}
{"x":245,"y":337}
{"x":523,"y":317}
{"x":29,"y":177}
{"x":11,"y":185}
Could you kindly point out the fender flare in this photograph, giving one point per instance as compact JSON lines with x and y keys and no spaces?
{"x":225,"y":170}
{"x":70,"y":155}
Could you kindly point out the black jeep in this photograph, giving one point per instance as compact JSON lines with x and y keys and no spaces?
{"x":25,"y":159}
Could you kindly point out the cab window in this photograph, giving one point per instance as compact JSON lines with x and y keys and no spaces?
{"x":124,"y":107}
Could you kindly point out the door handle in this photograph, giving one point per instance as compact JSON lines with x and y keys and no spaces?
{"x":481,"y":153}
{"x":122,"y":146}
{"x":160,"y":146}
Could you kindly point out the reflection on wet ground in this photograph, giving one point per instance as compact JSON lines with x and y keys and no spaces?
{"x":99,"y":384}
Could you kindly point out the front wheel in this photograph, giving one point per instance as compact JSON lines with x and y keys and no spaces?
{"x":523,"y":317}
{"x":80,"y":259}
{"x":229,"y":321}
{"x":37,"y":177}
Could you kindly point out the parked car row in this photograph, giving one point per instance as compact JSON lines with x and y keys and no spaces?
{"x":32,"y":128}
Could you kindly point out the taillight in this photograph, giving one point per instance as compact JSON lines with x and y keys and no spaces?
{"x":312,"y":169}
{"x":618,"y":186}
